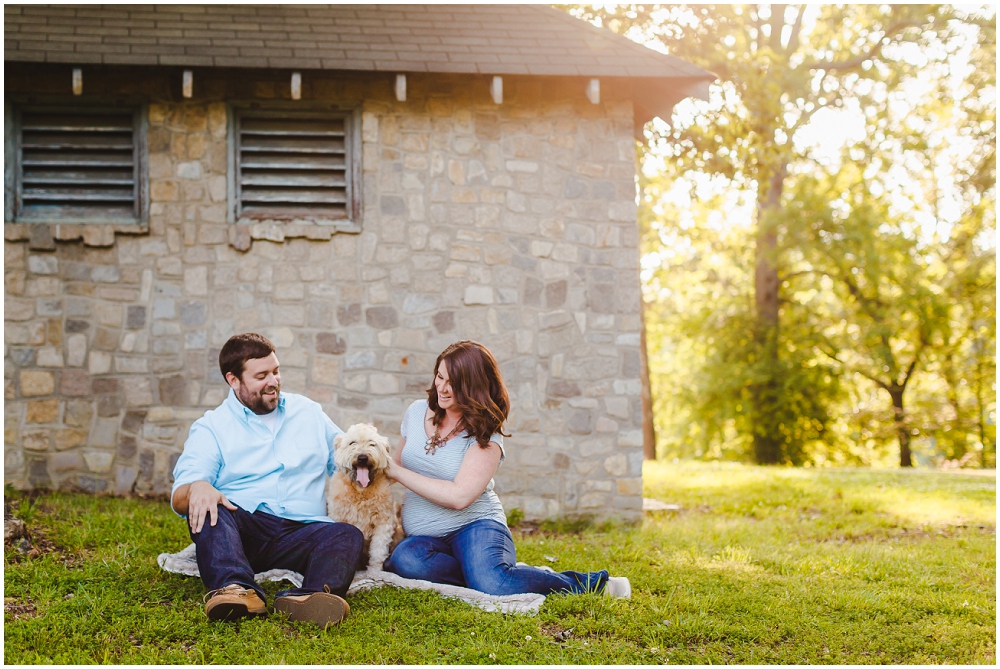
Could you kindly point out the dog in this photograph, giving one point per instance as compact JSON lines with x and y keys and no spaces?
{"x":358,"y":492}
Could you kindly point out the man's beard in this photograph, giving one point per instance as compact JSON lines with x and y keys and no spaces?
{"x":256,"y":402}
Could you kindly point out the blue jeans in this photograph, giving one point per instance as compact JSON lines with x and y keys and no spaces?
{"x":481,"y":556}
{"x":243,"y":543}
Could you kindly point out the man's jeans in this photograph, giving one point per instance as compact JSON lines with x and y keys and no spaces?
{"x":481,"y":556}
{"x":242,"y":544}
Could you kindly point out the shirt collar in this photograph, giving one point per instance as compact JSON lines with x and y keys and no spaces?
{"x":243,"y":410}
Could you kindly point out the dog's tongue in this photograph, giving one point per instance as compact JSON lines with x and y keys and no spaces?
{"x":362,"y":474}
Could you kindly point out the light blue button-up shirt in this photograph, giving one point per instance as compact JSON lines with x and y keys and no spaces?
{"x":282,"y":473}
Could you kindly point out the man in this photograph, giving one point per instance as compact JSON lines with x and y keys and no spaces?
{"x":251,"y":481}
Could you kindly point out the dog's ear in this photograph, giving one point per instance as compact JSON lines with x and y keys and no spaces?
{"x":337,"y":441}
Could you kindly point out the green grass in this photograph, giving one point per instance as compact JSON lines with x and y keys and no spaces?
{"x":760,"y":566}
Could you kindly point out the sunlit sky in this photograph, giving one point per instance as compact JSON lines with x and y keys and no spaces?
{"x":830,"y":130}
{"x":824,"y":139}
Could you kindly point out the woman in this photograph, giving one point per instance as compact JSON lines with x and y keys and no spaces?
{"x":452,"y":444}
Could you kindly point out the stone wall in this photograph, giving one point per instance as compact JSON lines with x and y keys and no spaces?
{"x":510,"y":224}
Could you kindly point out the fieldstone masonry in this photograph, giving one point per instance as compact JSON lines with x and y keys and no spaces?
{"x":510,"y":224}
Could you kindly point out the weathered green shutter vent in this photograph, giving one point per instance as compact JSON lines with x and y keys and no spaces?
{"x":78,"y":165}
{"x":292,"y":167}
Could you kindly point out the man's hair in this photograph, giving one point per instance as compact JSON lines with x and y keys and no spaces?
{"x":239,"y":349}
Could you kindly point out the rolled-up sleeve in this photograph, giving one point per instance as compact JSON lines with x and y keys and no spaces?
{"x":498,"y":440}
{"x":331,"y":434}
{"x":201,"y":460}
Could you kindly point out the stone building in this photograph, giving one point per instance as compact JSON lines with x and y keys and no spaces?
{"x":362,"y":184}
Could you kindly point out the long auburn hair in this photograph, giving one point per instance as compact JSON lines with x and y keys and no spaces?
{"x":478,"y":389}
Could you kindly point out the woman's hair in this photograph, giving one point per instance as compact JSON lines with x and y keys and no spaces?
{"x":478,"y":389}
{"x":239,"y":349}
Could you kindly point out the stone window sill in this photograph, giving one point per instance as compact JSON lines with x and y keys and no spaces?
{"x":242,"y":234}
{"x":43,"y":236}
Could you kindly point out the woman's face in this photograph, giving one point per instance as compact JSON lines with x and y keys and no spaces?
{"x":443,"y":385}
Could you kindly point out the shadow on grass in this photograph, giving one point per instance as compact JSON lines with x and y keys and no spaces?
{"x":902,"y":498}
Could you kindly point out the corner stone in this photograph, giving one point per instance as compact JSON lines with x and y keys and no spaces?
{"x":43,"y":411}
{"x":75,"y":382}
{"x":37,"y":383}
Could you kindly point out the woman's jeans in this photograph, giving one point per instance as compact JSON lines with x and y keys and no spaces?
{"x":243,"y":543}
{"x":481,"y":556}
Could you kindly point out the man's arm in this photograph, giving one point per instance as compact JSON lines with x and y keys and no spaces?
{"x":195,"y":500}
{"x":198,"y":465}
{"x":332,"y":432}
{"x":179,"y":500}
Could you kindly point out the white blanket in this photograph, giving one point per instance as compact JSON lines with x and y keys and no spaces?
{"x":185,"y":563}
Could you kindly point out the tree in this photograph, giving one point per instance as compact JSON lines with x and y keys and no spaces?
{"x":889,"y":307}
{"x":778,"y":65}
{"x":965,"y":141}
{"x":700,"y":269}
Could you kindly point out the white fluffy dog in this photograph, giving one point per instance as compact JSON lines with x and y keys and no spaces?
{"x":358,"y":492}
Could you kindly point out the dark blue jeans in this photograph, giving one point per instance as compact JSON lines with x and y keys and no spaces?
{"x":481,"y":556}
{"x":243,"y":543}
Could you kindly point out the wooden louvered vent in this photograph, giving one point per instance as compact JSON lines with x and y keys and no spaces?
{"x":78,"y":165}
{"x":293,"y":168}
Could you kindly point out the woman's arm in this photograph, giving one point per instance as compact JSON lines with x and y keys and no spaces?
{"x":397,"y":456}
{"x":478,"y":467}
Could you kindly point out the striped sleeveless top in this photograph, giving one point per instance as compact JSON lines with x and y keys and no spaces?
{"x":423,"y":517}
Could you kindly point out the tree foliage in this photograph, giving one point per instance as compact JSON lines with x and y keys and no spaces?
{"x":855,"y":309}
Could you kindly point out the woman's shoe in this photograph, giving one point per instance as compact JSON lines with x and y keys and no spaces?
{"x":618,"y":586}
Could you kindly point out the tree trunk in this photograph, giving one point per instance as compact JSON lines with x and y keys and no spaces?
{"x":648,"y":429}
{"x":981,"y":410}
{"x":902,"y":431}
{"x":766,"y":393}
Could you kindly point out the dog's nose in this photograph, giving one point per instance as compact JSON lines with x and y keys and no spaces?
{"x":362,"y":459}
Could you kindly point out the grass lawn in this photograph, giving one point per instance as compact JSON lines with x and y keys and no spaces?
{"x":761,"y":565}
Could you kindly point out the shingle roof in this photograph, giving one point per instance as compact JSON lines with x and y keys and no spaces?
{"x":483,"y":39}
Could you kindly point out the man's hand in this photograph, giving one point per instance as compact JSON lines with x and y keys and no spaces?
{"x":197,"y":499}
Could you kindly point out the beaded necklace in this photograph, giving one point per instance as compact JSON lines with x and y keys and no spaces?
{"x":437,"y":441}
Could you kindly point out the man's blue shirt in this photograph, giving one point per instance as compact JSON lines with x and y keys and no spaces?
{"x":282,"y":473}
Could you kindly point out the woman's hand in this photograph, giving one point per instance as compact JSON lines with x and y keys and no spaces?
{"x":391,"y":471}
{"x":396,"y":461}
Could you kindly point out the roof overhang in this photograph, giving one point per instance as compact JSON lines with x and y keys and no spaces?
{"x":499,"y":40}
{"x":653,"y":97}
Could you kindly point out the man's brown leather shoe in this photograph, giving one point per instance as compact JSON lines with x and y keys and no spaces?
{"x":233,"y":602}
{"x":320,"y":608}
